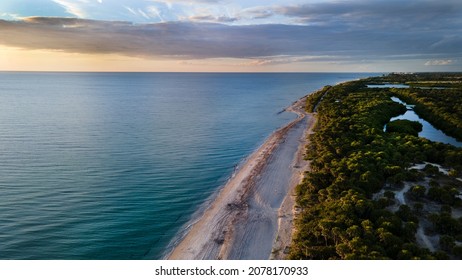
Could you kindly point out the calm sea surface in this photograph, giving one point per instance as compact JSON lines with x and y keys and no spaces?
{"x":113,"y":165}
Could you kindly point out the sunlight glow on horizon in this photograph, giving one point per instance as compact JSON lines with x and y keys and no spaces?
{"x":17,"y":59}
{"x":231,"y":35}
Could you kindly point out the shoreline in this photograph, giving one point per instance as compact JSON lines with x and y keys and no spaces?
{"x":251,"y":217}
{"x":287,"y":211}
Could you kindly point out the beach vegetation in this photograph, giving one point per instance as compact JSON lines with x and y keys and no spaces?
{"x":314,"y":98}
{"x":352,"y":159}
{"x":405,"y":126}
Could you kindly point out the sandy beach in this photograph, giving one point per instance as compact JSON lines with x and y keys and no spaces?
{"x":252,"y":216}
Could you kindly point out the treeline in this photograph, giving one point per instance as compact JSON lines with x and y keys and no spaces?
{"x":314,"y":98}
{"x":351,"y":159}
{"x":442,"y":108}
{"x":405,"y":126}
{"x":440,"y":79}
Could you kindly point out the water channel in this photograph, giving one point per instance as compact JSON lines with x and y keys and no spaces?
{"x":428,"y":130}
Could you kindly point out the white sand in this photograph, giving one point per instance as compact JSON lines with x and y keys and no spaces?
{"x":254,"y":208}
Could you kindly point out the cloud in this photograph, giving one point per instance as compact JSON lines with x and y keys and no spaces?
{"x":131,"y":10}
{"x":275,"y":60}
{"x":448,"y":42}
{"x":72,"y":7}
{"x":355,"y":31}
{"x":258,"y":12}
{"x":172,"y":39}
{"x":189,"y":1}
{"x":211,"y":18}
{"x":11,"y":16}
{"x":154,"y":11}
{"x":209,"y":40}
{"x":376,"y":13}
{"x":439,"y":62}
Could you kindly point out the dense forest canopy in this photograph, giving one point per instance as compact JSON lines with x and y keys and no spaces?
{"x":349,"y":204}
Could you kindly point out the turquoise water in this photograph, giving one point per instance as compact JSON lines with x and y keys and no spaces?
{"x":114,"y":165}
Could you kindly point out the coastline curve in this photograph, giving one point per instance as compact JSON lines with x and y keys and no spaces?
{"x":254,"y":205}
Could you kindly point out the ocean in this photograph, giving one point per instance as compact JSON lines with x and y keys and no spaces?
{"x":114,"y":165}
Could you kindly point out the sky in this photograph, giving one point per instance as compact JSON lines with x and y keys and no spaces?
{"x":231,"y":36}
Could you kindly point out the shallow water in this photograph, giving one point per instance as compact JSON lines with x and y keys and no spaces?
{"x":113,"y":165}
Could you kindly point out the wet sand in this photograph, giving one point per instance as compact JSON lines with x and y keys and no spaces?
{"x":251,"y":217}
